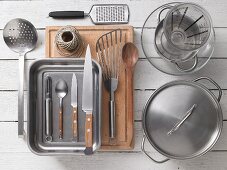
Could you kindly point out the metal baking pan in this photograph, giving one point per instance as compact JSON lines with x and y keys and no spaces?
{"x":56,"y":69}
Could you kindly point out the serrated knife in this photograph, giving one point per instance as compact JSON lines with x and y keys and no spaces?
{"x":87,"y":101}
{"x":74,"y":107}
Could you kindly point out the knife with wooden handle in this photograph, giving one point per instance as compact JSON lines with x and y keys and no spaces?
{"x":74,"y":108}
{"x":75,"y":123}
{"x":87,"y":101}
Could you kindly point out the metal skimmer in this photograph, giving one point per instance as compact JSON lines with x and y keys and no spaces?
{"x":21,"y":37}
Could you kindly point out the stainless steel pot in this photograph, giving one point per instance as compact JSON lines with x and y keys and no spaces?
{"x":182,"y":119}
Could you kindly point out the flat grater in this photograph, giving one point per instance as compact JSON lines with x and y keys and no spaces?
{"x":99,"y":14}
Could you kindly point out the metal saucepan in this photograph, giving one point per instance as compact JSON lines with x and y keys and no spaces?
{"x":182,"y":119}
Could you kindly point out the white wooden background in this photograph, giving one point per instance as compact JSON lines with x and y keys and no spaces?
{"x":14,"y":153}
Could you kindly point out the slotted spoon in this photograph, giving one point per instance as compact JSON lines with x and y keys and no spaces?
{"x":21,"y":37}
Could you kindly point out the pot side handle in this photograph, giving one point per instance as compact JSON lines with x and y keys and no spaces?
{"x":144,"y":151}
{"x":214,"y":83}
{"x":164,"y":8}
{"x":189,"y":69}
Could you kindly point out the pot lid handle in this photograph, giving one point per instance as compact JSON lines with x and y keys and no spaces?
{"x":178,"y":124}
{"x":214,"y":83}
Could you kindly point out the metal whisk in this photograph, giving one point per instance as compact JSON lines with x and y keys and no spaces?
{"x":108,"y":49}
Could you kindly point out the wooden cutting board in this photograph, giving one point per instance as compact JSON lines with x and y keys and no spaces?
{"x":123,"y":95}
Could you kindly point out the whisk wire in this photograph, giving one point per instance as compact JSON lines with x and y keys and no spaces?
{"x":109,"y":48}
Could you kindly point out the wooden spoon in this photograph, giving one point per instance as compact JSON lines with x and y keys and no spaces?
{"x":130,"y":57}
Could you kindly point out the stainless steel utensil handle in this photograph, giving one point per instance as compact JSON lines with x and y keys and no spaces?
{"x":21,"y":97}
{"x":48,"y":106}
{"x":144,"y":151}
{"x":178,"y":124}
{"x":112,"y":119}
{"x":214,"y":83}
{"x":191,"y":68}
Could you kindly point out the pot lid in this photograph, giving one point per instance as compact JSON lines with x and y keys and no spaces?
{"x":182,"y":119}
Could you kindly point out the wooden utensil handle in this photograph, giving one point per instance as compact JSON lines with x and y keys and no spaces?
{"x":60,"y":124}
{"x":88,"y":134}
{"x":130,"y":102}
{"x":74,"y":123}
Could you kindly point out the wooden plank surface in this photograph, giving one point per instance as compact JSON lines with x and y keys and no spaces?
{"x":39,"y":52}
{"x":145,"y":73}
{"x":8,"y":131}
{"x":14,"y":153}
{"x":20,"y":157}
{"x":140,"y":98}
{"x":37,"y":11}
{"x":110,"y":161}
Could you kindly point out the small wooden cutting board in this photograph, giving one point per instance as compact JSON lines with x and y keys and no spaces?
{"x":123,"y":95}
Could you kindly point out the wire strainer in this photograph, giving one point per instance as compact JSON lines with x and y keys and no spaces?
{"x":187,"y":26}
{"x":178,"y":38}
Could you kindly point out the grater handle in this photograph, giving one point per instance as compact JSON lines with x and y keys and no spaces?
{"x":67,"y":14}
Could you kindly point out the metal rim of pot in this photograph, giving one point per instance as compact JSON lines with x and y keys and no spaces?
{"x":204,"y":12}
{"x":193,"y":55}
{"x":219,"y":123}
{"x":162,"y":8}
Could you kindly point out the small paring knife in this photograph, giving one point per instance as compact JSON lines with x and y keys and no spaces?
{"x":74,"y":97}
{"x":87,"y":101}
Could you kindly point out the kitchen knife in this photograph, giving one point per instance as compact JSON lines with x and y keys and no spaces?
{"x":74,"y":107}
{"x":87,"y":101}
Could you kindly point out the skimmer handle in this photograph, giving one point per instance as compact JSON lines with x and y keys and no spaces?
{"x":21,"y":97}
